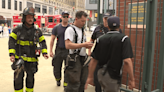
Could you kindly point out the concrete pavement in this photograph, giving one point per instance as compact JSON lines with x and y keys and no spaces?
{"x":44,"y":79}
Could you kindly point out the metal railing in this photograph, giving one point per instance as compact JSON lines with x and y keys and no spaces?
{"x":143,"y":22}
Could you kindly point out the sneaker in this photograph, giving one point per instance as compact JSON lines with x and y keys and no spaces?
{"x":58,"y":83}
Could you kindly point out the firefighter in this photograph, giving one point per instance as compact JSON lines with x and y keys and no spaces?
{"x":60,"y":52}
{"x":75,"y":41}
{"x":24,"y":50}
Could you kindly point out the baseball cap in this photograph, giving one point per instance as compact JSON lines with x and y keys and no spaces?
{"x":107,"y":14}
{"x":113,"y":22}
{"x":65,"y":12}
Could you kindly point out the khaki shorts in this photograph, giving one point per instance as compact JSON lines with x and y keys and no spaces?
{"x":106,"y":82}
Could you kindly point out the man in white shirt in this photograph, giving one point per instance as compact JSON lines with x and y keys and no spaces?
{"x":75,"y":41}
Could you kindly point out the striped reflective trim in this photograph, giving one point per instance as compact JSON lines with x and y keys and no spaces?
{"x":21,"y":90}
{"x":124,"y":38}
{"x":65,"y":84}
{"x":23,"y":43}
{"x":28,"y":59}
{"x":58,"y":79}
{"x":41,"y":38}
{"x":13,"y":35}
{"x":44,"y":50}
{"x":29,"y":89}
{"x":12,"y":51}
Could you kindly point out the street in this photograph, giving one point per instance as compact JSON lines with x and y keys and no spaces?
{"x":44,"y":78}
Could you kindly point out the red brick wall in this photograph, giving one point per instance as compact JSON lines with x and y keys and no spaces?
{"x":138,"y":42}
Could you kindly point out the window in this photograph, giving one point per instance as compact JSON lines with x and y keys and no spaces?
{"x":55,"y":20}
{"x":37,"y":8}
{"x":3,"y":3}
{"x":9,"y":4}
{"x":56,"y":12}
{"x":50,"y":10}
{"x":50,"y":19}
{"x":29,"y":4}
{"x":15,"y":3}
{"x":92,"y":1}
{"x":73,"y":3}
{"x":20,"y":6}
{"x":44,"y":9}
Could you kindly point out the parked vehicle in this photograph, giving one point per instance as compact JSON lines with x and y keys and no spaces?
{"x":45,"y":22}
{"x":92,"y":28}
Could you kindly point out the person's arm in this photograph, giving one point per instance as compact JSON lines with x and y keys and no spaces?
{"x":11,"y":43}
{"x":42,"y":43}
{"x":127,"y":54}
{"x":69,"y":37}
{"x":129,"y":68}
{"x":52,"y":44}
{"x":92,"y":66}
{"x":89,"y":50}
{"x":71,"y":45}
{"x":53,"y":36}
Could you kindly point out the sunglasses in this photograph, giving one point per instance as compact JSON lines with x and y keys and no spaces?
{"x":65,"y":16}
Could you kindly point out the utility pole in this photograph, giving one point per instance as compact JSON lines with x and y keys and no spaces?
{"x":99,"y":11}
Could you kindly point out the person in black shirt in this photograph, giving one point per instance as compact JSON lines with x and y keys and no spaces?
{"x":99,"y":30}
{"x":60,"y":52}
{"x":111,"y":51}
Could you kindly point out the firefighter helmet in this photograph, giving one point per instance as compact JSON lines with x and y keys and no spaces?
{"x":29,"y":11}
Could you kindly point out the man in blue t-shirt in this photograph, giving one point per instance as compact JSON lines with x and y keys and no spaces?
{"x":60,"y":52}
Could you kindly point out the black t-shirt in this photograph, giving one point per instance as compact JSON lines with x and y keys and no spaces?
{"x":100,"y":30}
{"x":113,"y":47}
{"x":59,"y":31}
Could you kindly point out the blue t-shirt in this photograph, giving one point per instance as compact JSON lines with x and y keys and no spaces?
{"x":59,"y":31}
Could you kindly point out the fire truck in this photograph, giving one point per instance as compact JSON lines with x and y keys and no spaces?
{"x":44,"y":22}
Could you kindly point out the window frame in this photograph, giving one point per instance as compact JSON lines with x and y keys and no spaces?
{"x":9,"y":4}
{"x":3,"y":4}
{"x":20,"y":5}
{"x":15,"y":5}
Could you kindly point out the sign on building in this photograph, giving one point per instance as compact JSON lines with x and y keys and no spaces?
{"x":137,"y":17}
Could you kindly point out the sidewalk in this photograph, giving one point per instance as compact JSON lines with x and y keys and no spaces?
{"x":44,"y":79}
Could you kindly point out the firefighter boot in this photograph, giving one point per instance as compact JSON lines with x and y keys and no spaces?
{"x":58,"y":83}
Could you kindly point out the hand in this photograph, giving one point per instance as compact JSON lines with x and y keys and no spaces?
{"x":51,"y":54}
{"x":131,"y":84}
{"x":89,"y":81}
{"x":45,"y":56}
{"x":12,"y":58}
{"x":88,"y":45}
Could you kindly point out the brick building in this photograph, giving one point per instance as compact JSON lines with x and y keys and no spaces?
{"x":137,"y":35}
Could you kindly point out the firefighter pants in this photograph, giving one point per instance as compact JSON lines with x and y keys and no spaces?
{"x":77,"y":76}
{"x":107,"y":83}
{"x":30,"y":68}
{"x":57,"y":61}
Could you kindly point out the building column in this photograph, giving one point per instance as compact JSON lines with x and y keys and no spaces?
{"x":6,"y":4}
{"x":41,"y":9}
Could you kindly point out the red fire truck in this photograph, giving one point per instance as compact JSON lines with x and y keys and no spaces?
{"x":44,"y":22}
